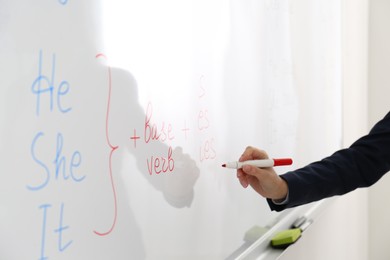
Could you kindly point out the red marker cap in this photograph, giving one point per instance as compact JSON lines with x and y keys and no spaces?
{"x":282,"y":161}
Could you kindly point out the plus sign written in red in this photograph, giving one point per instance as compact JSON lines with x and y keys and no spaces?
{"x":185,"y":129}
{"x":135,"y":137}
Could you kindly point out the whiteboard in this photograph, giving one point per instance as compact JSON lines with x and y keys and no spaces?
{"x":117,"y":115}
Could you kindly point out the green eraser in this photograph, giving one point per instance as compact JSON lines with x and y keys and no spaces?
{"x":286,"y":237}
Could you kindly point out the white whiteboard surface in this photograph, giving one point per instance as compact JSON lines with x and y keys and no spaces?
{"x":117,"y":115}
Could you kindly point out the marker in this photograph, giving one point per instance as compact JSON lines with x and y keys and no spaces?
{"x":264,"y":163}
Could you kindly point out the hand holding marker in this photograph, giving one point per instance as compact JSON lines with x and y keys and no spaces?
{"x":254,"y":168}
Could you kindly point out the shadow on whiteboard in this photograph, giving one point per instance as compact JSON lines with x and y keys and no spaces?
{"x":166,"y":168}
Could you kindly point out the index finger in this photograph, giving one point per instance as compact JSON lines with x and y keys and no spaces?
{"x":252,"y":153}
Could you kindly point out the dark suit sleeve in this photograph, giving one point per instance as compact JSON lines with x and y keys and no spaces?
{"x":360,"y":165}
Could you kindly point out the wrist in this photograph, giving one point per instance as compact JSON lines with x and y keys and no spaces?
{"x":282,"y":191}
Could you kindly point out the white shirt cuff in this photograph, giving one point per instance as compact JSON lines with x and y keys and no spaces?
{"x":281,"y":202}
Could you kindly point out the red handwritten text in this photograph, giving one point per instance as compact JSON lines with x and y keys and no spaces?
{"x":157,"y":165}
{"x":112,"y":150}
{"x":207,"y":151}
{"x":153,"y":132}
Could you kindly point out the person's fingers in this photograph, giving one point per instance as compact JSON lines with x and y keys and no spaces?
{"x":251,"y":170}
{"x":242,"y":177}
{"x":251,"y":153}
